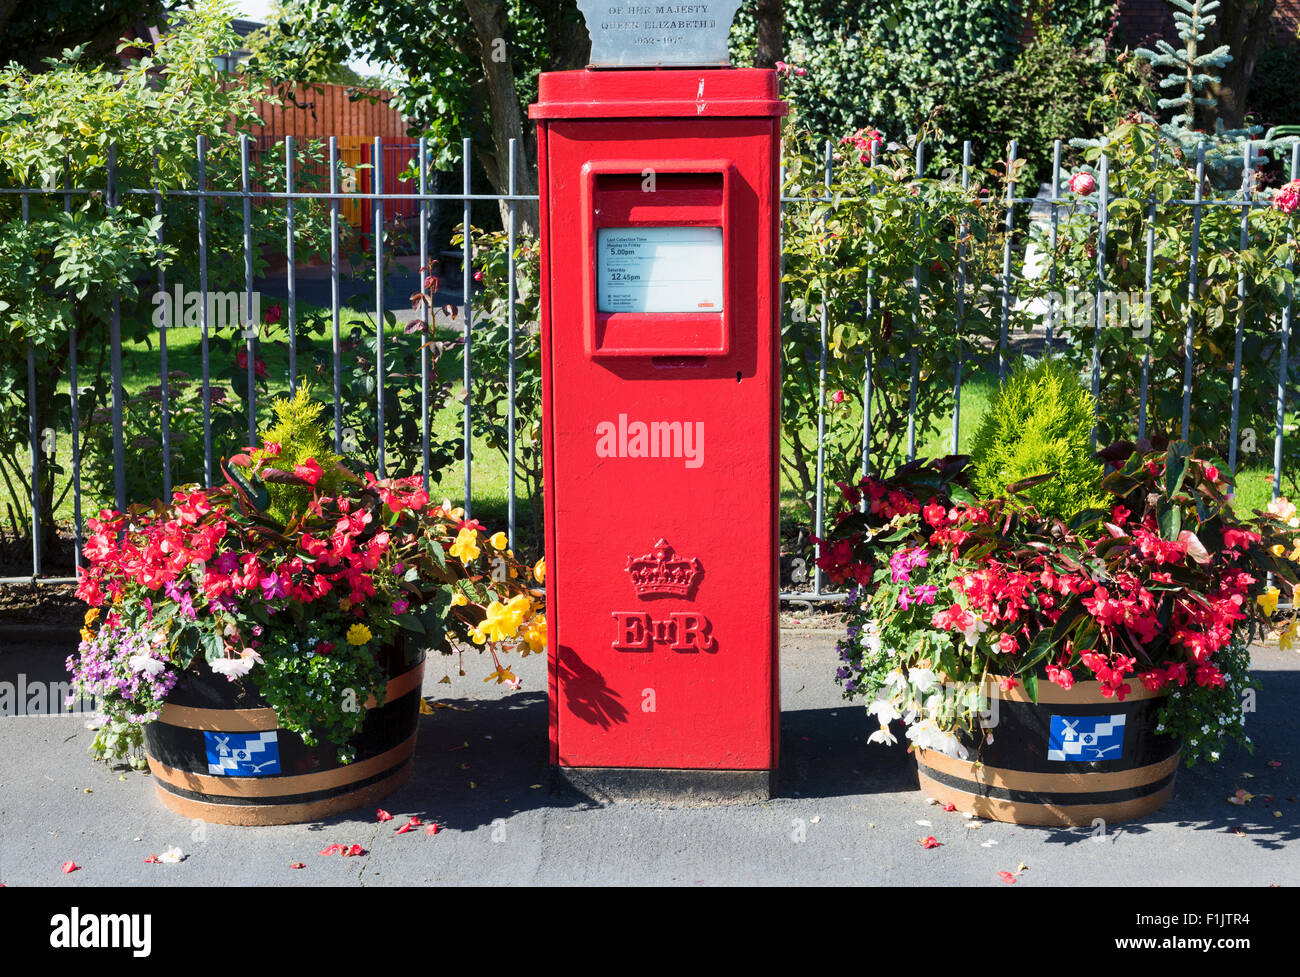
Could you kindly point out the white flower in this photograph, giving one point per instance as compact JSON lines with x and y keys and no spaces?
{"x":882,"y":735}
{"x":883,"y":709}
{"x":232,"y":668}
{"x":973,"y":632}
{"x":871,"y":637}
{"x":172,"y":856}
{"x":922,"y":679}
{"x":145,"y":663}
{"x":896,"y":680}
{"x":928,"y":736}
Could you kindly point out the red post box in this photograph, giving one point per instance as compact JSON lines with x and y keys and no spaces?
{"x":661,"y":379}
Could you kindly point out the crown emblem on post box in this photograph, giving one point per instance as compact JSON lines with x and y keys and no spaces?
{"x":662,"y":573}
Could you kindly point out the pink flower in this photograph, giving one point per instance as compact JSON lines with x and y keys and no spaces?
{"x":1287,"y":197}
{"x":272,"y":315}
{"x":837,"y":397}
{"x":400,"y":606}
{"x":1083,"y":184}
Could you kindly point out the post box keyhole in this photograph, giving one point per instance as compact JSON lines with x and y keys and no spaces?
{"x":738,"y":376}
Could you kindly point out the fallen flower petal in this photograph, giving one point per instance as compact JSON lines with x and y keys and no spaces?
{"x":405,"y":828}
{"x":172,"y":856}
{"x":332,"y":850}
{"x":69,"y":867}
{"x":1240,"y":798}
{"x":431,"y":829}
{"x":950,"y":807}
{"x":152,"y":859}
{"x":382,"y":815}
{"x":1275,"y":763}
{"x":930,"y":842}
{"x":297,"y":865}
{"x":1008,"y":877}
{"x":354,"y":850}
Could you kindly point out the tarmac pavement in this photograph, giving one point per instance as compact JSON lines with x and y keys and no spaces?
{"x":847,"y":812}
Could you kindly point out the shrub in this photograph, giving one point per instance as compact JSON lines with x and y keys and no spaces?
{"x":1040,"y":422}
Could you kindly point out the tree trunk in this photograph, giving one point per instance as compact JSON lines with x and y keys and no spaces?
{"x":1245,"y":26}
{"x":770,"y":18}
{"x":491,"y":25}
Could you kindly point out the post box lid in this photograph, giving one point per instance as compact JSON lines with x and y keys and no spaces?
{"x":658,"y":93}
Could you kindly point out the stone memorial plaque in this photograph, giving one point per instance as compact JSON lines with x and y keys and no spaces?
{"x":649,"y":33}
{"x":659,"y":269}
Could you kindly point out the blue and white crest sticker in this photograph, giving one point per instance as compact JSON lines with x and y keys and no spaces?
{"x":243,"y":754}
{"x":1086,"y":738}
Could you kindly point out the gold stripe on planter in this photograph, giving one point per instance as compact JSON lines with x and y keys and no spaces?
{"x":260,"y":720}
{"x":1054,"y":783}
{"x":1054,"y":815}
{"x":1069,"y":758}
{"x":285,"y":785}
{"x":1050,"y":693}
{"x":237,"y":766}
{"x":296,"y":813}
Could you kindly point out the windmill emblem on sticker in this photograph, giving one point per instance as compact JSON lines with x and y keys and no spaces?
{"x":1086,"y":738}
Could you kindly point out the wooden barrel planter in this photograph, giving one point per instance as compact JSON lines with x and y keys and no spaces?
{"x":1067,"y":760}
{"x":217,"y":753}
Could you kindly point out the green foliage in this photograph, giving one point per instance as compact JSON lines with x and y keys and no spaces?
{"x":1044,"y":96}
{"x":1273,"y":87}
{"x":904,"y":266}
{"x":301,"y":436}
{"x":1145,"y":169}
{"x":32,"y":30}
{"x":1040,"y":422}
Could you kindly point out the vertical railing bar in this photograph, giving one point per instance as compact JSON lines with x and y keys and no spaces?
{"x":866,"y":347}
{"x":1006,"y":262}
{"x":291,"y":265}
{"x":1286,"y":341}
{"x":336,"y":339}
{"x":74,"y":393}
{"x":250,"y":327}
{"x":165,"y":399}
{"x":426,"y":315}
{"x":33,"y":437}
{"x":1241,"y":307}
{"x":961,"y":303}
{"x":912,"y":356}
{"x":510,"y":354}
{"x":377,"y":214}
{"x":115,"y":358}
{"x":1052,"y":240}
{"x":1192,"y":286}
{"x":467,"y":285}
{"x":202,"y":152}
{"x":1148,"y":278}
{"x":820,"y":487}
{"x":1099,"y":306}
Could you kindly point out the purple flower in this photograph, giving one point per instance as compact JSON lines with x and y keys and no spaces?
{"x":272,"y":587}
{"x":227,"y":563}
{"x":187,"y":606}
{"x":400,"y":606}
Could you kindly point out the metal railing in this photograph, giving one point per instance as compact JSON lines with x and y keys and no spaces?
{"x":420,"y":198}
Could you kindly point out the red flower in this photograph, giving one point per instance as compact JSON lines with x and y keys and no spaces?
{"x":1008,"y":877}
{"x":382,"y":815}
{"x":1062,"y":677}
{"x":70,"y":867}
{"x":333,"y":850}
{"x":1208,"y":675}
{"x":152,"y":860}
{"x":431,"y":829}
{"x":354,"y":850}
{"x":930,"y":842}
{"x":309,"y":471}
{"x":272,"y":315}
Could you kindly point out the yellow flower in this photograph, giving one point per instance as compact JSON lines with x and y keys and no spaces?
{"x":1268,"y":600}
{"x":1277,"y":549}
{"x":499,"y":541}
{"x":534,"y":636}
{"x":358,"y":634}
{"x":465,"y":548}
{"x":1288,"y":639}
{"x":92,"y":616}
{"x":502,"y":674}
{"x":539,"y":570}
{"x":503,"y":620}
{"x":87,"y":634}
{"x":458,"y":599}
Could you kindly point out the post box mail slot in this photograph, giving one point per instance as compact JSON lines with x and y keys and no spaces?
{"x":656,"y":254}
